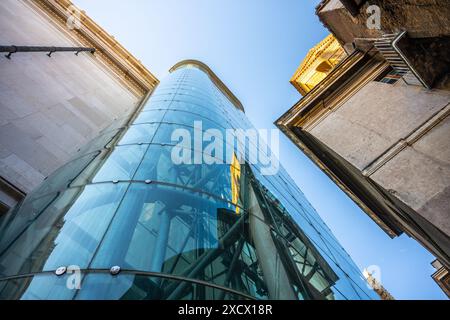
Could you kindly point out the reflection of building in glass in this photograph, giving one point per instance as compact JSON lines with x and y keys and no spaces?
{"x":188,"y":231}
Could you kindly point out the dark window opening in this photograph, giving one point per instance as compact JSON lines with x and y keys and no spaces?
{"x":9,"y":196}
{"x":390,"y":76}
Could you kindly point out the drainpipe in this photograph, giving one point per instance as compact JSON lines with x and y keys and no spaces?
{"x":405,"y":59}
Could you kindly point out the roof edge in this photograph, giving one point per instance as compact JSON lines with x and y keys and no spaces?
{"x":222,"y":87}
{"x":109,"y":52}
{"x":341,"y":68}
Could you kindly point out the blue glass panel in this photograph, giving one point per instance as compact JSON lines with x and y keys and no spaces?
{"x":139,"y":133}
{"x":66,"y":233}
{"x":121,"y":163}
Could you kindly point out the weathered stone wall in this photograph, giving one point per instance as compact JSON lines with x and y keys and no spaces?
{"x":49,"y":107}
{"x":421,"y":18}
{"x":431,"y":58}
{"x":420,"y":176}
{"x":396,"y":135}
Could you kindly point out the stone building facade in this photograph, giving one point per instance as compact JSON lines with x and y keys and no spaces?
{"x":50,"y":106}
{"x":378,"y":124}
{"x":441,"y":276}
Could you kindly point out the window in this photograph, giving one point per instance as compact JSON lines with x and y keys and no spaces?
{"x":324,"y":67}
{"x":390,"y":76}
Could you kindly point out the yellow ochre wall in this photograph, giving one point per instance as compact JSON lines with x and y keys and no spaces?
{"x":319,"y":62}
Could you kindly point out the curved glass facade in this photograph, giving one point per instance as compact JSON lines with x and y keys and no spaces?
{"x":221,"y":230}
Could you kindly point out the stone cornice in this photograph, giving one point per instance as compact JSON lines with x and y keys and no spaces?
{"x":306,"y":101}
{"x":309,"y":110}
{"x":116,"y":59}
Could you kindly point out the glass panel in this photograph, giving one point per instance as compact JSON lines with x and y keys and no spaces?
{"x":140,"y":133}
{"x":144,"y":219}
{"x":121,"y":163}
{"x":62,"y":177}
{"x":117,"y":124}
{"x":161,"y":104}
{"x":189,"y":119}
{"x":172,"y":134}
{"x":150,"y":116}
{"x":311,"y":255}
{"x":211,"y":143}
{"x":98,"y":143}
{"x":101,"y":286}
{"x":39,"y":287}
{"x":140,"y":287}
{"x":66,"y":233}
{"x":222,"y":180}
{"x":17,"y":220}
{"x":174,"y":231}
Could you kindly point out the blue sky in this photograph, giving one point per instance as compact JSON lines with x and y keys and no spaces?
{"x":255,"y":46}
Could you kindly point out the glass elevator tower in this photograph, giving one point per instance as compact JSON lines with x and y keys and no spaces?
{"x":121,"y":220}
